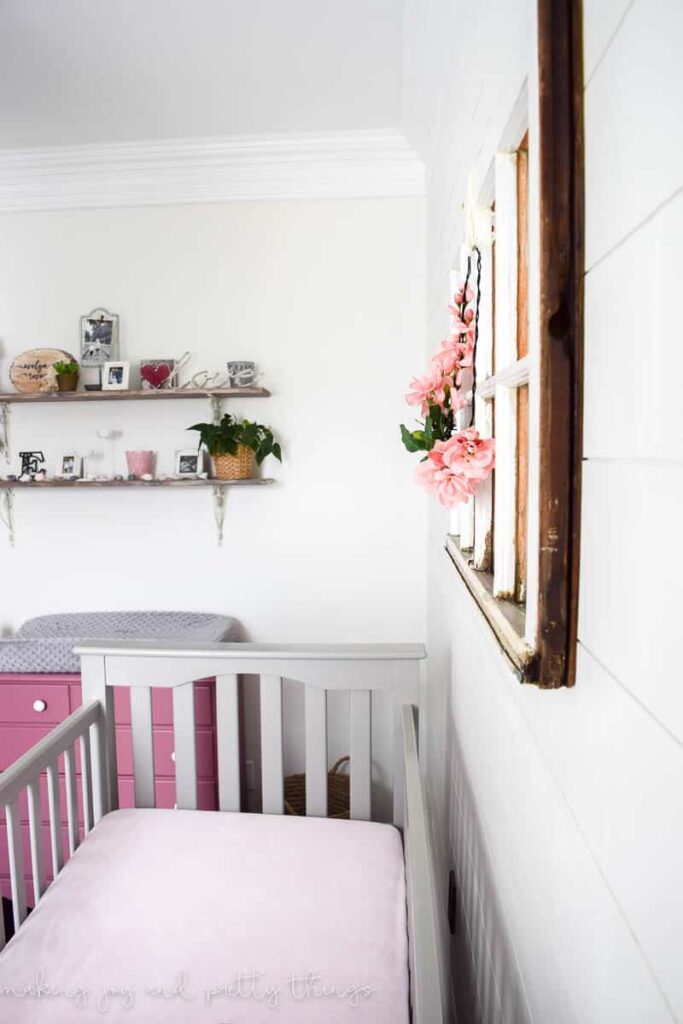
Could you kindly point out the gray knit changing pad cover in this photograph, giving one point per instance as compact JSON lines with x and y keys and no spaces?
{"x":45,"y":644}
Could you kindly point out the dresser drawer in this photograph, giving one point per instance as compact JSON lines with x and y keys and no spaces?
{"x":34,"y":702}
{"x":15,"y":740}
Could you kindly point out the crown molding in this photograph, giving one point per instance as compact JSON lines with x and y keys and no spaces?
{"x":336,"y":165}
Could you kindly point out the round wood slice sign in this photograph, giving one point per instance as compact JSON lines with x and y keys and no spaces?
{"x":30,"y":371}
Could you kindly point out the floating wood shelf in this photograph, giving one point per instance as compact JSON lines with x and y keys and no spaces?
{"x":215,"y":487}
{"x":85,"y":485}
{"x":46,"y":397}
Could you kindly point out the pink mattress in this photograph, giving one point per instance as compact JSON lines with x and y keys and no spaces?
{"x":286,"y":920}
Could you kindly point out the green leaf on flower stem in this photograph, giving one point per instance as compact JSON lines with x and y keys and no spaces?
{"x":429,"y":432}
{"x":414,"y":441}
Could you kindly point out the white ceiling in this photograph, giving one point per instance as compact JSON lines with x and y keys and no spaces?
{"x":84,"y":71}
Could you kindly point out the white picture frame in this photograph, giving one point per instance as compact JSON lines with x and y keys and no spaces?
{"x":115,"y":376}
{"x":188,"y":464}
{"x":99,"y":337}
{"x":69,"y":463}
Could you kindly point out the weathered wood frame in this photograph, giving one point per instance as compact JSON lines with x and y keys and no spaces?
{"x":390,"y":671}
{"x":546,"y":653}
{"x":560,"y":69}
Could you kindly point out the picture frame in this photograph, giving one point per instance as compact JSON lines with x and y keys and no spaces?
{"x":241,"y":373}
{"x":69,"y":463}
{"x":156,"y":374}
{"x":99,"y":337}
{"x":189,"y":464}
{"x":115,"y":376}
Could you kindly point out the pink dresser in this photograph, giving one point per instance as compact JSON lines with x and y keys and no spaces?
{"x":30,"y":705}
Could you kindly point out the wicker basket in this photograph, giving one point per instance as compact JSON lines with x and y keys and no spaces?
{"x":234,"y":467}
{"x":337,"y":792}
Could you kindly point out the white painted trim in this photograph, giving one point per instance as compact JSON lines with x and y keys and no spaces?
{"x":515,"y":376}
{"x":505,"y":504}
{"x":483,"y":502}
{"x":214,"y":170}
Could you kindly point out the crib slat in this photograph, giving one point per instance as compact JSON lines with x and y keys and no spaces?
{"x":16,"y":862}
{"x":34,"y":819}
{"x":100,"y":790}
{"x":316,"y":751}
{"x":228,"y":741}
{"x":55,"y":818}
{"x":399,"y":766}
{"x":272,"y":783}
{"x":360,"y":755}
{"x":94,"y":682}
{"x":71,"y":800}
{"x":185,"y":747}
{"x":86,"y":781}
{"x":143,"y":745}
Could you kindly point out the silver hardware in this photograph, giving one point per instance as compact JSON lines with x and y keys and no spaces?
{"x":219,"y":511}
{"x":4,"y":430}
{"x":7,"y":513}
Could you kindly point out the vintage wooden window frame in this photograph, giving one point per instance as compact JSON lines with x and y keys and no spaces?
{"x":542,"y":644}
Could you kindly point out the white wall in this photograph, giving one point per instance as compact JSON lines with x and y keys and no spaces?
{"x":561,"y":811}
{"x":327,"y":297}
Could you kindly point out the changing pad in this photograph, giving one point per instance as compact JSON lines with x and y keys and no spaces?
{"x":45,"y":644}
{"x":206,"y":917}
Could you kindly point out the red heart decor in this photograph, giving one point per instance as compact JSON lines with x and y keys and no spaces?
{"x":155,"y":374}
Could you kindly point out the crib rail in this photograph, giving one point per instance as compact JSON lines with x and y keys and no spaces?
{"x":85,"y":727}
{"x":425,"y":986}
{"x":365,"y":670}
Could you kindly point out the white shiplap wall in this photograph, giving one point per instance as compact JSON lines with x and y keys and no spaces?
{"x":561,"y":812}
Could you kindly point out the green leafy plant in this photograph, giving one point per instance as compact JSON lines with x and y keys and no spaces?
{"x":223,"y":438}
{"x":66,"y":367}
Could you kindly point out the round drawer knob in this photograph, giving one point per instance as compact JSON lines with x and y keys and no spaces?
{"x":173,"y":755}
{"x":40,"y":705}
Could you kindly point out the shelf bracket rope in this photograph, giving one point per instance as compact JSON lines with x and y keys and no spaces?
{"x":4,"y":431}
{"x":7,"y":513}
{"x":219,"y":512}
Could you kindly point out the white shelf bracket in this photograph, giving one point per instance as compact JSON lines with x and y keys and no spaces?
{"x":4,"y":431}
{"x":216,"y":408}
{"x":219,"y":512}
{"x":7,"y":513}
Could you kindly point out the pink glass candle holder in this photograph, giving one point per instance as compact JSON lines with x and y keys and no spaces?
{"x":140,"y":463}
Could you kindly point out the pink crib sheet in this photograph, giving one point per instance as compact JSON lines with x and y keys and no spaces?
{"x":287,"y":920}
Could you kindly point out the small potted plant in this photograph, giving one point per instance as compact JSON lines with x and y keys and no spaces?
{"x":233,"y":444}
{"x":67,"y":375}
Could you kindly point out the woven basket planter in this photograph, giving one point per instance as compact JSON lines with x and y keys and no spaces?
{"x":337,"y":792}
{"x":234,"y":467}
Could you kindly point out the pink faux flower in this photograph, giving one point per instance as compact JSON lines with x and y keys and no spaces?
{"x":469,"y":455}
{"x":464,"y":325}
{"x":428,"y":390}
{"x":450,"y":488}
{"x":454,"y":356}
{"x":463,"y":296}
{"x":454,"y":467}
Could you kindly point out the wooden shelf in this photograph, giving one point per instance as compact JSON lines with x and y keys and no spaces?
{"x":85,"y":485}
{"x":22,"y":397}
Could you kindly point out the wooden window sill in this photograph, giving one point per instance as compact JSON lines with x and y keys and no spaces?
{"x":505,"y":618}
